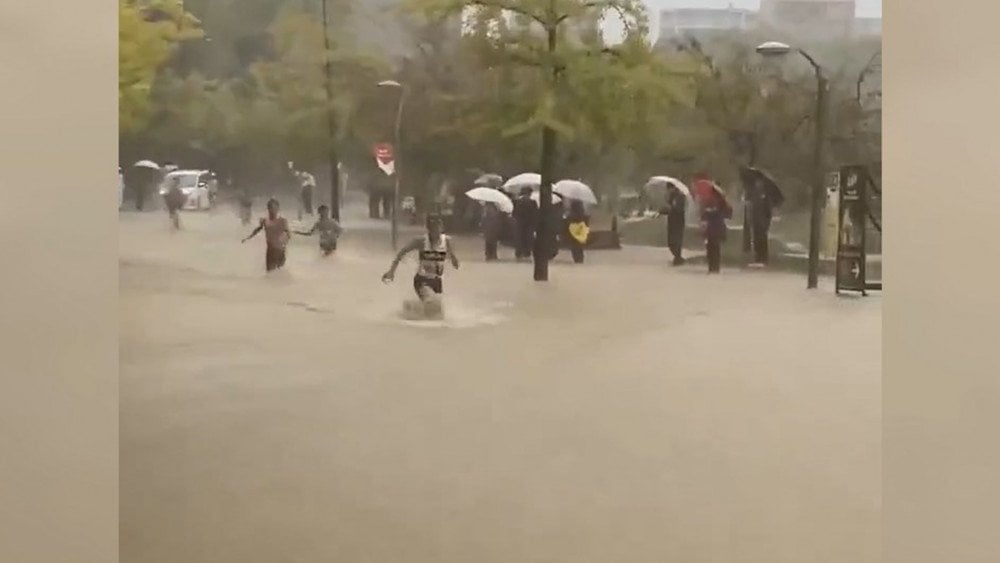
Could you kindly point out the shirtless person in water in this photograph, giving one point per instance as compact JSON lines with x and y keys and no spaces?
{"x":434,"y":247}
{"x":276,"y":232}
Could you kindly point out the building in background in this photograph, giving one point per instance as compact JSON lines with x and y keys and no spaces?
{"x":793,"y":20}
{"x":868,"y":27}
{"x":809,"y":19}
{"x":704,"y":23}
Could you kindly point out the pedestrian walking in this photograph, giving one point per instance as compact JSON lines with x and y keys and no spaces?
{"x":553,"y":227}
{"x":577,"y":229}
{"x":493,"y":224}
{"x":525,"y":223}
{"x":762,"y":196}
{"x":676,"y":213}
{"x":174,"y":201}
{"x":246,"y":206}
{"x":715,"y":209}
{"x":307,"y":184}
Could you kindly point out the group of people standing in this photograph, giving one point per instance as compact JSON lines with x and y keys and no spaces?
{"x":567,"y":222}
{"x":761,"y":197}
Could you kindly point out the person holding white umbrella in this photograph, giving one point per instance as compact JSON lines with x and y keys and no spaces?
{"x":146,"y":174}
{"x":495,"y":205}
{"x":526,"y":180}
{"x":577,"y":229}
{"x":575,"y":190}
{"x":675,"y":209}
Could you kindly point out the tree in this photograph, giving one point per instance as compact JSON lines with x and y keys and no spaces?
{"x":148,"y":32}
{"x":550,"y":36}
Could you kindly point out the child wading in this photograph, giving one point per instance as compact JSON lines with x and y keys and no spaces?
{"x":329,"y":229}
{"x":276,"y":234}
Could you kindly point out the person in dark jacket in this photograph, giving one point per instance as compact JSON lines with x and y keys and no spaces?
{"x":577,"y":229}
{"x":762,"y":196}
{"x":493,"y":223}
{"x":526,"y":221}
{"x":554,"y":226}
{"x":714,"y":212}
{"x":675,"y":211}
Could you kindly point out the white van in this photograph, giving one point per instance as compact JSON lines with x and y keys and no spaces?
{"x":193,"y":184}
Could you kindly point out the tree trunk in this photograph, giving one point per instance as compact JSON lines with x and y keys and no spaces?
{"x":543,"y":244}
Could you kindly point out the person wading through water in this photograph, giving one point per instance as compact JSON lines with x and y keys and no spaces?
{"x":276,"y":233}
{"x":434,"y":249}
{"x":329,"y":229}
{"x":174,"y":201}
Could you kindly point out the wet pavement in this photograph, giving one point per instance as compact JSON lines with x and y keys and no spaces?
{"x":624,"y":411}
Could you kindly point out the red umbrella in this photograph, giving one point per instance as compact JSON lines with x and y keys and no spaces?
{"x":705,"y":190}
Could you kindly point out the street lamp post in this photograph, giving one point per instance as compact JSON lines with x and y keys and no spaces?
{"x":774,"y":49}
{"x":395,"y":151}
{"x":331,"y":120}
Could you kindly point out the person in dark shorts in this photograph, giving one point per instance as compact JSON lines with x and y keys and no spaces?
{"x":435,"y":248}
{"x":276,"y":233}
{"x":329,"y":229}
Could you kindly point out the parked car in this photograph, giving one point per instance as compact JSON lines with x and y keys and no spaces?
{"x":193,"y":184}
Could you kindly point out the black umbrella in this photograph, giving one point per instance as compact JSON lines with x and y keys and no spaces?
{"x":772,"y":191}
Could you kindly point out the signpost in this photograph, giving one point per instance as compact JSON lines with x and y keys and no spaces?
{"x":385,"y":158}
{"x":853,"y":212}
{"x":831,"y":217}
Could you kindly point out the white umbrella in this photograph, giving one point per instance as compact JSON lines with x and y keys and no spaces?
{"x":489,"y":181}
{"x":537,"y":198}
{"x":526,"y":180}
{"x":575,"y":189}
{"x":667,"y":180}
{"x":493,"y":196}
{"x":147,"y":164}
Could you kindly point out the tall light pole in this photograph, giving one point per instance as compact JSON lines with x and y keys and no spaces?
{"x":331,"y":121}
{"x":396,"y":151}
{"x":776,"y":49}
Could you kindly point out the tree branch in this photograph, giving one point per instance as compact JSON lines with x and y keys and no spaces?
{"x":509,"y":6}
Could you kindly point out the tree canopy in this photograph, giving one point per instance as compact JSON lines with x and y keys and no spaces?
{"x":241,"y":86}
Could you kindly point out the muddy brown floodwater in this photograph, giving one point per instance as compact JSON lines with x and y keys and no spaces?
{"x":624,"y":412}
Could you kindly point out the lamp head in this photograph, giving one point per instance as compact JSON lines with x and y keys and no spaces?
{"x":773,"y":49}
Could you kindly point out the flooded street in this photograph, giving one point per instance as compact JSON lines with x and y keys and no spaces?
{"x":624,"y":412}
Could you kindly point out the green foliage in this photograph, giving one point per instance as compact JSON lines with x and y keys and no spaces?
{"x":148,"y":32}
{"x":481,"y":81}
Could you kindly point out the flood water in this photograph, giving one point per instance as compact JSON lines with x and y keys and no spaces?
{"x":624,"y":411}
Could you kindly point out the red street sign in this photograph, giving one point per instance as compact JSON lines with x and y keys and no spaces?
{"x":383,"y":152}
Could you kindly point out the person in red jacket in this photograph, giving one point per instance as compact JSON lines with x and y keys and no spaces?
{"x":715,"y":209}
